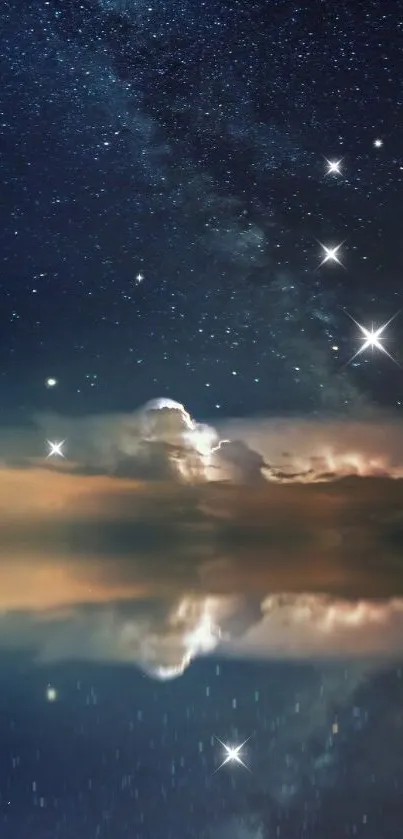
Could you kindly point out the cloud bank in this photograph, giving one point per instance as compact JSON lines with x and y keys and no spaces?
{"x":158,"y":539}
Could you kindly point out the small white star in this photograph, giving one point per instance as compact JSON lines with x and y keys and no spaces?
{"x":56,"y":448}
{"x":333,"y":166}
{"x":331,"y":254}
{"x":372,"y":338}
{"x":51,"y":382}
{"x":232,"y":754}
{"x":378,"y":143}
{"x":139,"y":278}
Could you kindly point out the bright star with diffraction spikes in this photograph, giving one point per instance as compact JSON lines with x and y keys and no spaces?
{"x":333,"y":166}
{"x":378,"y":143}
{"x":372,"y":338}
{"x":331,"y":254}
{"x":232,"y":754}
{"x":56,"y":448}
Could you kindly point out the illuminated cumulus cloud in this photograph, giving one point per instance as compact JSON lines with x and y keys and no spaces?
{"x":194,"y":450}
{"x":191,"y":444}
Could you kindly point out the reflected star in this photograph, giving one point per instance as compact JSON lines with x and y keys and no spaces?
{"x":51,"y":693}
{"x":232,"y":754}
{"x":139,"y":278}
{"x":331,"y":254}
{"x":333,"y":166}
{"x":372,"y":338}
{"x":56,"y":448}
{"x":378,"y":143}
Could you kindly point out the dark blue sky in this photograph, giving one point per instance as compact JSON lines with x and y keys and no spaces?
{"x":186,"y":144}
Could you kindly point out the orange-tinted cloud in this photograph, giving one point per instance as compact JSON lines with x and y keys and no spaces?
{"x":97,"y":560}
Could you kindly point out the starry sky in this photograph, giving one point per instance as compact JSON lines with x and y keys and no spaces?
{"x":164,"y":192}
{"x":227,"y":566}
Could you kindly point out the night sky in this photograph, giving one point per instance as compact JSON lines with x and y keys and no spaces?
{"x":166,"y":202}
{"x":185,"y":143}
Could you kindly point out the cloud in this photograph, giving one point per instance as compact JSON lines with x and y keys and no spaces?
{"x":311,"y":625}
{"x":154,"y":541}
{"x":370,"y":444}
